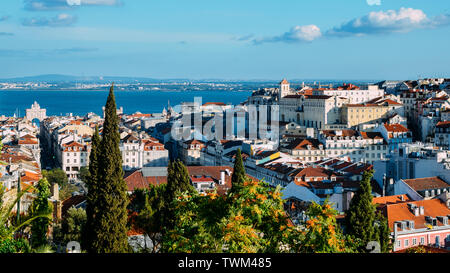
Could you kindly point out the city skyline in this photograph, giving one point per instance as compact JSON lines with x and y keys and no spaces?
{"x":232,"y":40}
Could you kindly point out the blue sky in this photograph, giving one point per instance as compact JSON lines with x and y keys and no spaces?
{"x":232,"y":39}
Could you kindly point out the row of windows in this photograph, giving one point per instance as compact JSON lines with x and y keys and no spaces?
{"x":406,"y":242}
{"x":363,"y":110}
{"x":75,"y":160}
{"x":76,"y":154}
{"x":134,"y":153}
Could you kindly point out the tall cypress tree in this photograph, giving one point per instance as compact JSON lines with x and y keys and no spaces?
{"x":92,"y":194}
{"x":111,"y":220}
{"x":360,"y":216}
{"x":238,"y":177}
{"x":383,"y":233}
{"x":178,"y":181}
{"x":41,"y":206}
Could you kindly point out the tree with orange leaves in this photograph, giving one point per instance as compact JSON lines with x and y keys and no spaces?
{"x":322,"y":234}
{"x":254,"y":221}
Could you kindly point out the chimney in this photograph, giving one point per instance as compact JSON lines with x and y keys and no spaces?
{"x":402,"y":198}
{"x":57,"y":210}
{"x":55,"y":191}
{"x":422,"y":210}
{"x":222,"y":177}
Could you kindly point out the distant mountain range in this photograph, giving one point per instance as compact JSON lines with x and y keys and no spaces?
{"x":58,"y":78}
{"x":68,"y":78}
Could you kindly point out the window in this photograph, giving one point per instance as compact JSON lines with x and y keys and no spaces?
{"x":422,"y":240}
{"x":399,"y":243}
{"x":414,"y":241}
{"x":406,"y":243}
{"x":437,"y":240}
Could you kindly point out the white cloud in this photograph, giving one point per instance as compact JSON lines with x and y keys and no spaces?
{"x":44,"y":5}
{"x":383,"y":22}
{"x":297,"y":34}
{"x":374,"y":2}
{"x":61,"y":20}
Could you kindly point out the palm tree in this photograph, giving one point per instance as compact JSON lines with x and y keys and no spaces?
{"x":7,"y":227}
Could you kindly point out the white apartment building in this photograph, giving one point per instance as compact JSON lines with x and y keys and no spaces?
{"x":353,"y":93}
{"x":442,"y":134}
{"x":138,"y":153}
{"x":74,"y":156}
{"x":366,"y":147}
{"x":192,"y":152}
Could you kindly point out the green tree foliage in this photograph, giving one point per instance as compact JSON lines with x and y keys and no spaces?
{"x":146,"y":213}
{"x":110,"y":225}
{"x":84,"y":174}
{"x":255,"y":222}
{"x":360,"y":217}
{"x":56,"y":176}
{"x":238,"y":177}
{"x":361,"y":220}
{"x":41,"y":206}
{"x":383,"y":233}
{"x":72,"y":227}
{"x":178,"y":182}
{"x":322,"y":233}
{"x":93,"y":194}
{"x":8,"y":227}
{"x":66,"y":191}
{"x":13,"y":245}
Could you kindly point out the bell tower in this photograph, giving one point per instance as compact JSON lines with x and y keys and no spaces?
{"x":285,"y":89}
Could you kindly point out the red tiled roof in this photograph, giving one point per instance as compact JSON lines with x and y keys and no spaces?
{"x":393,"y":199}
{"x":401,"y":212}
{"x":396,"y":128}
{"x":28,"y":141}
{"x":30,"y":177}
{"x":194,"y":142}
{"x":371,"y":135}
{"x":70,"y":202}
{"x":313,"y":172}
{"x":214,"y":103}
{"x":317,"y":97}
{"x":349,"y":86}
{"x":428,"y":183}
{"x":345,"y":133}
{"x":302,"y":144}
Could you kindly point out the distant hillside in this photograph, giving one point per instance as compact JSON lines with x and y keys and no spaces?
{"x":68,"y":78}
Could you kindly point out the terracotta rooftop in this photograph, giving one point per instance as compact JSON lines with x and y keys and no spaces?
{"x":402,"y":212}
{"x":428,"y":183}
{"x":393,"y":199}
{"x":70,"y":202}
{"x":371,"y":135}
{"x":345,"y":133}
{"x":396,"y":128}
{"x":302,"y":144}
{"x":214,"y":103}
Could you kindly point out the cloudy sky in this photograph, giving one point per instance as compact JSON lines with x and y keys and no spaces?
{"x":226,"y":39}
